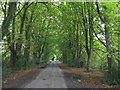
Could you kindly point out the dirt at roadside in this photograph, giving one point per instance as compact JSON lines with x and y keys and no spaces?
{"x":74,"y":77}
{"x":78,"y":78}
{"x":21,"y":78}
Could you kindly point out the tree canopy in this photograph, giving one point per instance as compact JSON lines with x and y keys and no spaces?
{"x":79,"y":34}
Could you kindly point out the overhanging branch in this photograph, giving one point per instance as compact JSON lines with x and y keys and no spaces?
{"x":99,"y":38}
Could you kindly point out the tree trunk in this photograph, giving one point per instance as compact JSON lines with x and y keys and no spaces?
{"x":35,"y":57}
{"x":27,"y":43}
{"x":86,"y":40}
{"x":109,"y":57}
{"x":104,"y":19}
{"x":119,"y":43}
{"x":10,"y":41}
{"x":88,"y":33}
{"x":13,"y":59}
{"x":26,"y":55}
{"x":19,"y":44}
{"x":90,"y":13}
{"x":8,"y":18}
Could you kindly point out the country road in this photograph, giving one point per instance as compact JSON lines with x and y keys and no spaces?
{"x":54,"y":75}
{"x":50,"y":77}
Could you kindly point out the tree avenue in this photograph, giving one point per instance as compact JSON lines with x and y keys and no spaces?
{"x":79,"y":34}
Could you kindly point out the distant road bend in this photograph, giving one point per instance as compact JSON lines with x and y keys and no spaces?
{"x":50,"y":77}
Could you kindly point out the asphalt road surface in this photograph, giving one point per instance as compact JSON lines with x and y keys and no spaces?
{"x":50,"y":77}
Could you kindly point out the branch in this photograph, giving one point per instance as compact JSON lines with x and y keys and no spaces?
{"x":30,"y":4}
{"x":8,"y":18}
{"x":98,"y":54}
{"x":23,"y":8}
{"x":20,"y":10}
{"x":99,"y":38}
{"x":99,"y":13}
{"x":98,"y":50}
{"x":116,"y":58}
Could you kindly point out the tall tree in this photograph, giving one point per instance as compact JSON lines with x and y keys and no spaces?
{"x":105,"y":20}
{"x":7,"y":19}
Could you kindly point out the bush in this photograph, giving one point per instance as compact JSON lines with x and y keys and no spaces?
{"x":6,"y":71}
{"x":112,"y":79}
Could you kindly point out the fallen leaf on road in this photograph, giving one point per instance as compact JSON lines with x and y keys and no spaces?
{"x":5,"y":81}
{"x":79,"y":80}
{"x":14,"y":78}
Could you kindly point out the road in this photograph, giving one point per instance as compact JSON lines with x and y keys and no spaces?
{"x":50,"y":77}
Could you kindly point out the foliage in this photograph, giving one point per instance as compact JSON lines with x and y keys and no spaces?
{"x":80,"y":34}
